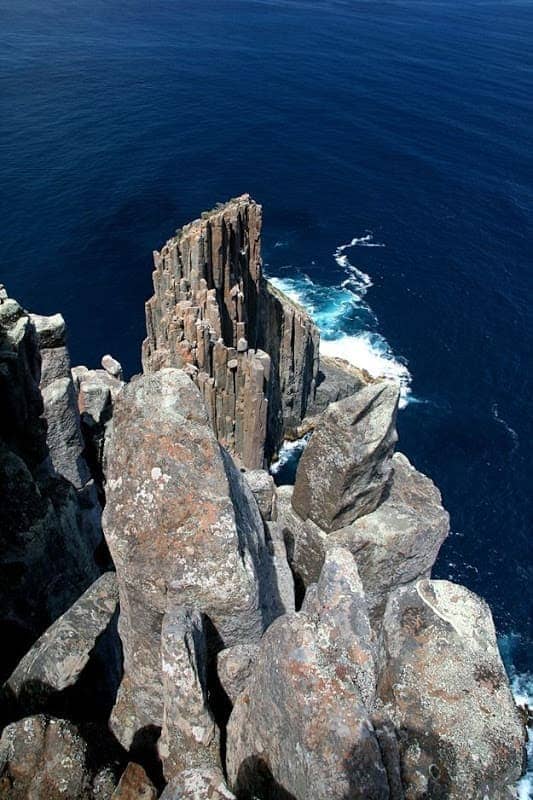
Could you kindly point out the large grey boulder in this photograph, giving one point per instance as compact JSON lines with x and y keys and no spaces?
{"x":58,"y":658}
{"x":345,"y":468}
{"x":181,"y":523}
{"x":443,"y":684}
{"x":400,"y":540}
{"x":300,"y":727}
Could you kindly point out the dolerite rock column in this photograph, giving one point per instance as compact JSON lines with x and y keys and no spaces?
{"x":252,"y":352}
{"x":183,"y":529}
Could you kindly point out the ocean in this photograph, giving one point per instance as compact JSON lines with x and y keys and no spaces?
{"x":390,"y":145}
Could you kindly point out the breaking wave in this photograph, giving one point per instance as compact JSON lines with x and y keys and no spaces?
{"x":348,"y":326}
{"x":522,"y":687}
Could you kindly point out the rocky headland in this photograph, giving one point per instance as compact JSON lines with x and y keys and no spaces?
{"x":178,"y":626}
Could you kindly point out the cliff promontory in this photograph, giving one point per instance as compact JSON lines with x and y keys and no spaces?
{"x":178,"y":625}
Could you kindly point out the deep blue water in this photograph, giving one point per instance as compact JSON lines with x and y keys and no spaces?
{"x":406,"y":122}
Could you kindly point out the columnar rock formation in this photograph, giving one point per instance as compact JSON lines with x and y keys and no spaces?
{"x":252,"y":352}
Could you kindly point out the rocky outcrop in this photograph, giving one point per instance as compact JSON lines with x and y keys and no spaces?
{"x":252,"y":352}
{"x":444,"y":686}
{"x":183,"y":529}
{"x":96,"y":391}
{"x":58,"y":659}
{"x":198,"y":784}
{"x":301,"y":726}
{"x":346,"y":466}
{"x":134,"y":784}
{"x":234,"y":666}
{"x":49,"y":518}
{"x":44,"y":758}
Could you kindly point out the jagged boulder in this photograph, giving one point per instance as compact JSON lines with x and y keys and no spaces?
{"x":400,"y":540}
{"x":58,"y":658}
{"x":345,"y":468}
{"x":301,"y":728}
{"x":180,"y":523}
{"x":234,"y":666}
{"x":444,"y":686}
{"x":264,"y":490}
{"x":198,"y":784}
{"x":134,"y":784}
{"x":49,"y":529}
{"x":43,"y":758}
{"x":189,"y":736}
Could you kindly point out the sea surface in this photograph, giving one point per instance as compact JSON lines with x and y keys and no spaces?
{"x":390,"y":144}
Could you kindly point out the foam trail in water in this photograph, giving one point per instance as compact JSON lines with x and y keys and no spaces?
{"x":511,"y":431}
{"x":347,"y":323}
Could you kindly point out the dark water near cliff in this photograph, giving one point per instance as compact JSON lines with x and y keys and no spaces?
{"x":401,"y":124}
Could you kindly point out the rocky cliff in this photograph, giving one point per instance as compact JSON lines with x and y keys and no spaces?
{"x":255,"y":641}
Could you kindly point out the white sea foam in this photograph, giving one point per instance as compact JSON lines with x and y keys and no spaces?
{"x":289,"y":451}
{"x":522,"y":687}
{"x":347,"y":323}
{"x":371,"y":352}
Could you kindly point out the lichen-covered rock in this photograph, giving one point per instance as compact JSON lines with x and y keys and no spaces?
{"x":180,"y":521}
{"x":300,"y":727}
{"x":112,"y":366}
{"x":346,"y":466}
{"x":43,"y":758}
{"x":189,"y":736}
{"x":234,"y":666}
{"x":49,"y":529}
{"x":444,"y":686}
{"x":58,"y":658}
{"x":400,"y":540}
{"x":198,"y":784}
{"x":134,"y":784}
{"x":264,"y":490}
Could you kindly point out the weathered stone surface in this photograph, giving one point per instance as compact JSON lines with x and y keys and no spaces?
{"x":256,"y":352}
{"x":346,"y":466}
{"x":189,"y":736}
{"x":198,"y":784}
{"x":64,"y":438}
{"x":57,"y":659}
{"x":96,"y":391}
{"x":179,"y":520}
{"x":264,"y":490}
{"x":280,"y":565}
{"x":300,"y":726}
{"x":45,"y":759}
{"x":48,"y":530}
{"x":234,"y":666}
{"x":444,"y":686}
{"x":51,"y":331}
{"x":112,"y":366}
{"x":400,"y":540}
{"x":134,"y":784}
